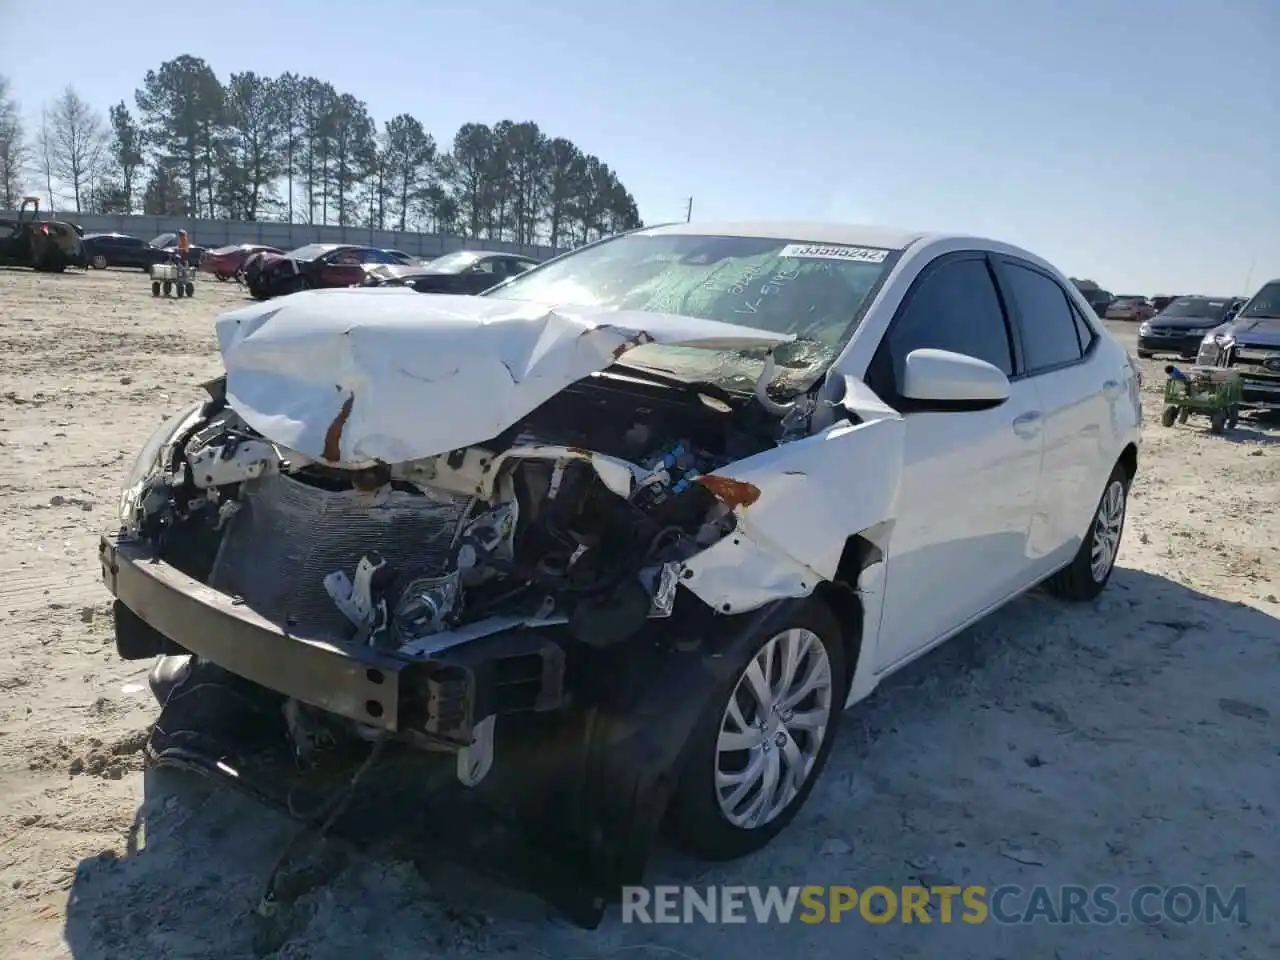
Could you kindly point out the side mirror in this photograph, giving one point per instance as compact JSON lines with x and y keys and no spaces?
{"x":953,"y":380}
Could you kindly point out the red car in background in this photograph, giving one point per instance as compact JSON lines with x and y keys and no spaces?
{"x":226,"y":262}
{"x":315,"y":265}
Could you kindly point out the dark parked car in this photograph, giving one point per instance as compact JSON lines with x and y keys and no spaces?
{"x":46,"y":245}
{"x":121,"y":250}
{"x":463,"y":272}
{"x":315,"y":265}
{"x":1098,"y":299}
{"x":1180,"y":326}
{"x":1250,"y":343}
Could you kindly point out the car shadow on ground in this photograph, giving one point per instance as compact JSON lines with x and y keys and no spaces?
{"x":1261,"y":428}
{"x":193,"y":868}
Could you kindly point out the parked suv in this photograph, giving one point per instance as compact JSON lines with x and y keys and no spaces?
{"x":1180,"y":326}
{"x":1250,"y":343}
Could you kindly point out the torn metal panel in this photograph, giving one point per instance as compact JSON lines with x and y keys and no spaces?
{"x":813,"y":494}
{"x":477,"y":470}
{"x":385,"y":374}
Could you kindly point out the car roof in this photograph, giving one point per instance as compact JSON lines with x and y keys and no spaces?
{"x":122,"y":236}
{"x":860,"y":235}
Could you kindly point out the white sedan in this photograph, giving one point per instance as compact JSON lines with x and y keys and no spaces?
{"x":716,"y":481}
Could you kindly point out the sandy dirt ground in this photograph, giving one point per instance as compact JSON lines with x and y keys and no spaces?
{"x":1133,"y":741}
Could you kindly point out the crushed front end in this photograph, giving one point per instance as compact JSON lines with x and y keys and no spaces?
{"x":507,"y":613}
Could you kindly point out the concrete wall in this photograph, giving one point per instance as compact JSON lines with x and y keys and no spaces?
{"x":287,"y":236}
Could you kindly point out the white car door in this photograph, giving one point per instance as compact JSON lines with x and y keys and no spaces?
{"x":969,"y":476}
{"x":1077,"y":391}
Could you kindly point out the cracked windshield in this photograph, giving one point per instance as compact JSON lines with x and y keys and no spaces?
{"x":815,"y":292}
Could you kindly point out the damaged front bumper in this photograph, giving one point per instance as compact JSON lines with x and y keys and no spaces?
{"x":446,"y":697}
{"x":584,"y":796}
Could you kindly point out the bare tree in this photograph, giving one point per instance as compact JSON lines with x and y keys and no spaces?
{"x":78,"y":140}
{"x":14,"y":152}
{"x":45,"y":151}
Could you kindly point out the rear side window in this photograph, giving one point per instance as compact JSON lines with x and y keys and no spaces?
{"x":955,"y":307}
{"x":1050,"y":328}
{"x":1083,"y":331}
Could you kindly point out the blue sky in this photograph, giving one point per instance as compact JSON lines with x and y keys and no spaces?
{"x":1136,"y":142}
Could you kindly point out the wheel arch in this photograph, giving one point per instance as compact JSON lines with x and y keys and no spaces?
{"x":1129,"y":459}
{"x":841,"y":594}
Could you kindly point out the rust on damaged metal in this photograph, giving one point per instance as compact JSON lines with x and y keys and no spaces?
{"x":732,"y":493}
{"x":333,"y":435}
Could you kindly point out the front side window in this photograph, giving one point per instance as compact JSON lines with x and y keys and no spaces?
{"x":818,"y":292}
{"x":1049,"y":336}
{"x":955,"y":307}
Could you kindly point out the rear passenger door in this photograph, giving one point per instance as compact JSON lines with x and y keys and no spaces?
{"x":969,"y":477}
{"x":1059,"y":346}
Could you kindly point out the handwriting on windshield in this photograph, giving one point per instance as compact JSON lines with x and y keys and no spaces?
{"x":771,"y":287}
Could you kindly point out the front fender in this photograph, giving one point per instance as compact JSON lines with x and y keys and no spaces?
{"x":795,"y":507}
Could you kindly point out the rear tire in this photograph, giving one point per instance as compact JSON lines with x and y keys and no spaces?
{"x":787,"y":745}
{"x":155,"y":288}
{"x":1091,"y":568}
{"x":1168,"y":416}
{"x":1184,"y":414}
{"x":1217,"y":421}
{"x":1233,"y":417}
{"x":167,"y":287}
{"x":191,"y":289}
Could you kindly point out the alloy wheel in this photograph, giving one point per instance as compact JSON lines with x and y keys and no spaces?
{"x":773,"y":728}
{"x":1106,"y":531}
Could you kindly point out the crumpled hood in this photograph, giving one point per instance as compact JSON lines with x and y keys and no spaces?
{"x":358,"y":374}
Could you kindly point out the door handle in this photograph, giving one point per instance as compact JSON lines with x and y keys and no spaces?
{"x":1028,"y":425}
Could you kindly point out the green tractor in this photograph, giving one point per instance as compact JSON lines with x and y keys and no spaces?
{"x":46,"y":245}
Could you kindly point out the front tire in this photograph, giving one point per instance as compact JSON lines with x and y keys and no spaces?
{"x":1091,"y":568}
{"x":764,"y":738}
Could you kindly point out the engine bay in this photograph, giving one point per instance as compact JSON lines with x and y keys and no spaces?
{"x":579,"y":515}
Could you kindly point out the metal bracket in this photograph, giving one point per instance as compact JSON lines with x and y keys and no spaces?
{"x":475,"y":761}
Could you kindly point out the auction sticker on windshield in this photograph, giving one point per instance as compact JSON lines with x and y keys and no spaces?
{"x":813,"y":251}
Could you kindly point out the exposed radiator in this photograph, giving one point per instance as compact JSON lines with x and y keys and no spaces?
{"x":288,"y":536}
